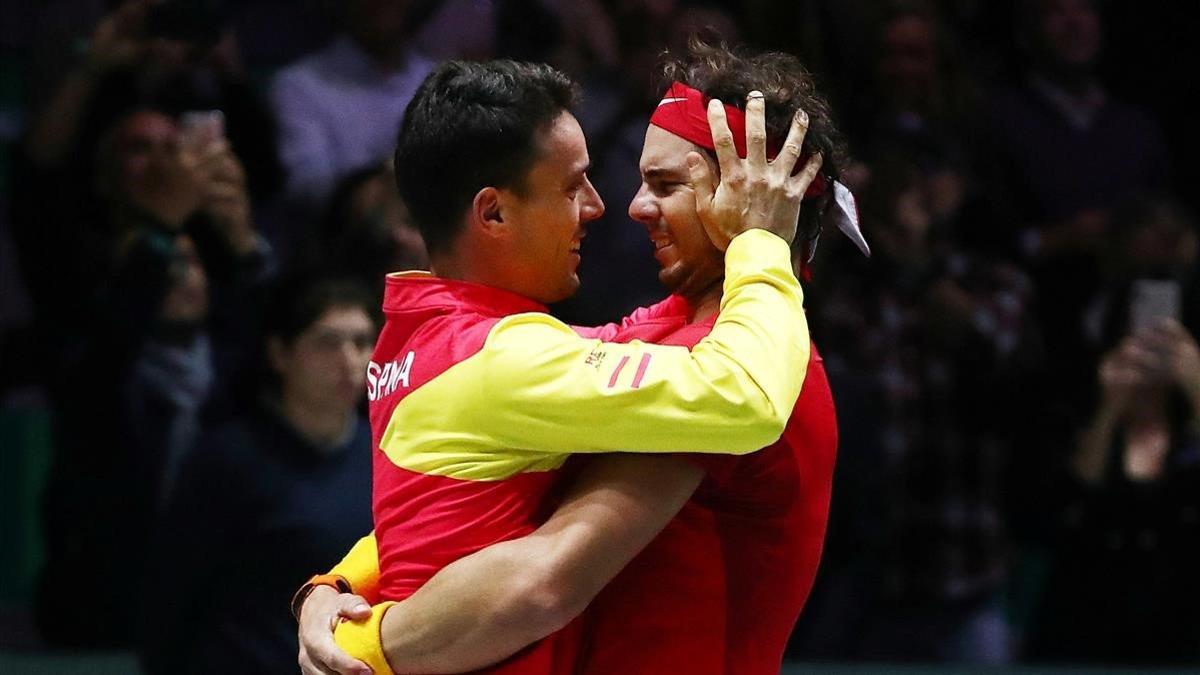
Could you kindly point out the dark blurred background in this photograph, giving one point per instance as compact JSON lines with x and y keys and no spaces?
{"x":196,"y":211}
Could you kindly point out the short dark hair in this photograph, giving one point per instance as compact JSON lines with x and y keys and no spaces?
{"x":729,"y":75}
{"x":469,"y":126}
{"x":298,"y":300}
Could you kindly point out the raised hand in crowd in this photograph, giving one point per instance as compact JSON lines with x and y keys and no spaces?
{"x":119,"y":38}
{"x":1178,"y":357}
{"x":117,"y":41}
{"x":1123,"y":373}
{"x":158,"y":170}
{"x":1133,"y":378}
{"x":225,"y":197}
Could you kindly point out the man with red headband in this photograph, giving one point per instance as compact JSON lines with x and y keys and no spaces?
{"x":719,"y":589}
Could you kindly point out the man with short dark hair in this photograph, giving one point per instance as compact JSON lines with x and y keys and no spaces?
{"x":469,"y":368}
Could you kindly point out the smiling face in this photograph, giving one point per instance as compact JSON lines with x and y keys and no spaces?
{"x":547,"y":215}
{"x":665,"y":203}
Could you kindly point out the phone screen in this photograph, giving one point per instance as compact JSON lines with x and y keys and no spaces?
{"x":1151,"y":301}
{"x":206,"y":125}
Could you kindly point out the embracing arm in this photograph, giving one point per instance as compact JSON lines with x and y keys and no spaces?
{"x":536,"y":382}
{"x":487,"y":606}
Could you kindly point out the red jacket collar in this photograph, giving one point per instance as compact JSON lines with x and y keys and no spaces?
{"x":408,"y":291}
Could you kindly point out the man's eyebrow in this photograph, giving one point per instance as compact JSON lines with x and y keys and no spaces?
{"x":577,"y":175}
{"x":660,"y":173}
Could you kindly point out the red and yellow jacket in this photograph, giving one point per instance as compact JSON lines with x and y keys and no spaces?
{"x":477,"y":397}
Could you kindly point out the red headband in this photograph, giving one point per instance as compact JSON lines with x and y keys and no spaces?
{"x":683,"y":111}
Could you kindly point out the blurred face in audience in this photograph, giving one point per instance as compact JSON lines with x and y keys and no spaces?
{"x":1069,"y":32}
{"x":666,"y":205}
{"x":378,"y":26}
{"x":325,"y":366}
{"x":907,"y":66}
{"x":898,"y":199}
{"x":130,"y":153}
{"x":378,"y":215}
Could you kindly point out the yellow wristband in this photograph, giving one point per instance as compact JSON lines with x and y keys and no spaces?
{"x":363,"y":640}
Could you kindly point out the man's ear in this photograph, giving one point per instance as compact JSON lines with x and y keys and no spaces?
{"x":487,"y":211}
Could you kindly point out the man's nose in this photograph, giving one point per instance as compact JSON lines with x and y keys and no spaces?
{"x":593,"y":206}
{"x":642,"y":208}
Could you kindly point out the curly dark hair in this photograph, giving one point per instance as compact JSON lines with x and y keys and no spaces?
{"x":730,"y":74}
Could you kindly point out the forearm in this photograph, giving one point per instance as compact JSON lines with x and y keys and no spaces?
{"x":54,"y":130}
{"x":1091,"y":454}
{"x":474,"y":612}
{"x":489,"y":605}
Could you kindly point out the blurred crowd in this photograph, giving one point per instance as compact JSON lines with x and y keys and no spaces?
{"x":199,"y":210}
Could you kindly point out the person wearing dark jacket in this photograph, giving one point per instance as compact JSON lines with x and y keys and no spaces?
{"x":267,"y":497}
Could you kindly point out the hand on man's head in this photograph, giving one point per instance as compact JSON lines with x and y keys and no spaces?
{"x":752,"y":193}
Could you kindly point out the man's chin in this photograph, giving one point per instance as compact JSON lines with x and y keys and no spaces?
{"x":567,"y":289}
{"x":691,"y":282}
{"x":670,"y":278}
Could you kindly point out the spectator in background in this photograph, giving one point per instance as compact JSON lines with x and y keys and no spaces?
{"x":120,"y":432}
{"x":457,"y":29}
{"x":1072,"y":151}
{"x":339,"y":109}
{"x":1124,"y":506}
{"x":577,"y":37}
{"x":929,"y":346}
{"x":921,"y":103}
{"x":269,"y":496}
{"x":1064,"y":153}
{"x":1123,"y":588}
{"x":148,"y":173}
{"x":367,"y":232}
{"x":1152,"y":237}
{"x":176,"y":55}
{"x":143,"y":307}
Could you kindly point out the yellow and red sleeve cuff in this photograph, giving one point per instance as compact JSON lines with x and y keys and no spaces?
{"x":360,"y":567}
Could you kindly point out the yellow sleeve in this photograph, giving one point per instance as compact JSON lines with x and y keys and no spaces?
{"x":363,"y":641}
{"x":538,"y":387}
{"x":360,"y":567}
